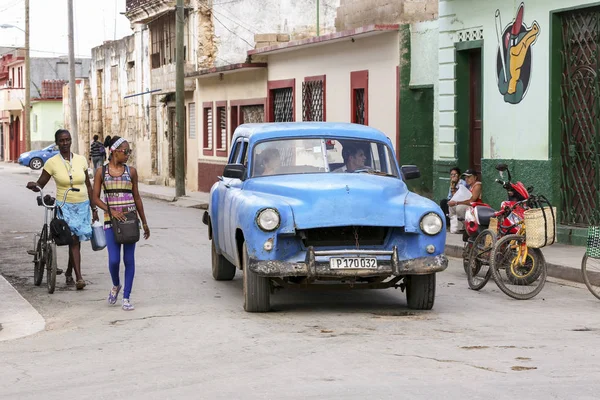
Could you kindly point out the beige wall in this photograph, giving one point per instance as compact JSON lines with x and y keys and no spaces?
{"x":379,"y":54}
{"x":233,"y":86}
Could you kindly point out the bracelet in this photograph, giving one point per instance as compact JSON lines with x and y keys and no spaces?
{"x":94,"y":209}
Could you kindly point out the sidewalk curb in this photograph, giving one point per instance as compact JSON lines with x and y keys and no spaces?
{"x":184,"y":202}
{"x":554,"y":270}
{"x":18,"y":318}
{"x":158,"y":196}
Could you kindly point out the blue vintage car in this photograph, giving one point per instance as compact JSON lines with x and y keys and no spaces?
{"x":35,"y":159}
{"x":309,"y":203}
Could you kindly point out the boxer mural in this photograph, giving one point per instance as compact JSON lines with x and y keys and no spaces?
{"x":513,"y":61}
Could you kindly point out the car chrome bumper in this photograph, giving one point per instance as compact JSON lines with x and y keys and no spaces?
{"x":386,"y":267}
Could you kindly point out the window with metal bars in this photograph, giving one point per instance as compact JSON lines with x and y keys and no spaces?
{"x":222,"y":128}
{"x":359,"y":106}
{"x":192,"y":120}
{"x":162,"y":39}
{"x":283,"y":105}
{"x":313,"y":100}
{"x":208,"y":128}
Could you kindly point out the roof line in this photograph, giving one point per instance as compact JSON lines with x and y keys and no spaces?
{"x":225,"y":68}
{"x":326,"y":38}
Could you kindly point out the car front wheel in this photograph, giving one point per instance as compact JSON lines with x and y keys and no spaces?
{"x":36,"y":163}
{"x":257,"y":291}
{"x":420,"y":291}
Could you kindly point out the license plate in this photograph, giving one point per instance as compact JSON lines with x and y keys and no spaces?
{"x":353,"y":263}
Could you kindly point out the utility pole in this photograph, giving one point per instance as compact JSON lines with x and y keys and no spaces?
{"x":72,"y":89}
{"x":179,"y":103}
{"x":318,"y":24}
{"x":27,"y":82}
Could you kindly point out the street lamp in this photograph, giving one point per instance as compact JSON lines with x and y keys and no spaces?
{"x":27,"y":76}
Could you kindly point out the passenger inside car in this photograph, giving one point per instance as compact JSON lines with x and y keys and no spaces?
{"x":270,"y":161}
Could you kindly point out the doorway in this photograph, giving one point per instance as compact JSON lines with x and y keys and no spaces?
{"x":469,"y":115}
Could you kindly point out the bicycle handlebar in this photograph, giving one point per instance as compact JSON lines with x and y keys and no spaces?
{"x":51,"y":207}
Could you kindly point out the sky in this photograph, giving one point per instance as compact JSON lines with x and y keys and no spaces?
{"x":95,"y":21}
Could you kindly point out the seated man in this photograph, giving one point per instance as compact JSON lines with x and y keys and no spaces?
{"x":459,"y":209}
{"x":354,"y":159}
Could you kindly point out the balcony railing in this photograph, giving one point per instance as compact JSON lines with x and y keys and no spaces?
{"x":142,"y":11}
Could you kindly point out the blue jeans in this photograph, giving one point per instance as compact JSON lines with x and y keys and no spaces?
{"x":97,"y":162}
{"x":114,"y":261}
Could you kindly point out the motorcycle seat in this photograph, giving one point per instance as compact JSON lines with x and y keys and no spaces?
{"x":484,"y":214}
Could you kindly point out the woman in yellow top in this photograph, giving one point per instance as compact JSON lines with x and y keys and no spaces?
{"x":70,"y":170}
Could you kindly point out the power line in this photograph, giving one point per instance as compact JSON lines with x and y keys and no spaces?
{"x":11,"y":6}
{"x":235,"y":22}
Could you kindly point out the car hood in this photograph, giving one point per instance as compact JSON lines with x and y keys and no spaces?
{"x":323,"y":200}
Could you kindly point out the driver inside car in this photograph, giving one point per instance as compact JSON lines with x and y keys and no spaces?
{"x":354,"y":159}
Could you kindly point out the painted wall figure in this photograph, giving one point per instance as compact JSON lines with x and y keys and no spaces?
{"x":513,"y":63}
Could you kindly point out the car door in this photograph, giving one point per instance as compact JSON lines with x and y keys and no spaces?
{"x":228,"y":189}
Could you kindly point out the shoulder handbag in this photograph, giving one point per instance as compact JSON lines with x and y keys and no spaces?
{"x":59,"y":230}
{"x":128,"y":231}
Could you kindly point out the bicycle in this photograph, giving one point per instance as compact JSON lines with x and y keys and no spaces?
{"x":590,"y":264}
{"x":513,"y":265}
{"x":44,"y":252}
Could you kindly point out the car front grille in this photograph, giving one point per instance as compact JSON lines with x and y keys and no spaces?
{"x":350,"y":236}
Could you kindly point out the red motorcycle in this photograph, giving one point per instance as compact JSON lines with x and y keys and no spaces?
{"x":479,"y":214}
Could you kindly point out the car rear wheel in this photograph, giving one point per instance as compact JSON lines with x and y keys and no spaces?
{"x":257,"y":291}
{"x":222,"y":270}
{"x":36,"y":163}
{"x":420,"y":291}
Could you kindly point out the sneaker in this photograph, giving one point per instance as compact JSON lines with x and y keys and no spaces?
{"x":127,"y":306}
{"x":114,"y":294}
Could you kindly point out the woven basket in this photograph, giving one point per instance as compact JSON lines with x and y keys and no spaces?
{"x":494,"y":228}
{"x":540,"y":232}
{"x":593,"y":242}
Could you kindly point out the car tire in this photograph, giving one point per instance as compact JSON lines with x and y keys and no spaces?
{"x":257,"y":290}
{"x":36,"y":163}
{"x":420,"y":291}
{"x":222,"y":270}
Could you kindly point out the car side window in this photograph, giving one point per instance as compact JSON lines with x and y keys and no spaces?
{"x":237,"y":147}
{"x":244,"y":159}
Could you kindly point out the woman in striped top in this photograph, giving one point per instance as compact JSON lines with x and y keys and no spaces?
{"x":121,"y":190}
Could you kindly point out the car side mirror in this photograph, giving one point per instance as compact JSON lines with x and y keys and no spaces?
{"x":410,"y":172}
{"x":235,"y":171}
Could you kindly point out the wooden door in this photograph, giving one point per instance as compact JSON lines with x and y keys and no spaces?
{"x":475,"y":117}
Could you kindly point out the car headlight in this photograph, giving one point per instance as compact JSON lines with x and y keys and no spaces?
{"x":25,"y":155}
{"x":431,"y":224}
{"x":268,"y":219}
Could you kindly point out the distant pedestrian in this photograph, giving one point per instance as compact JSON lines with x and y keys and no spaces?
{"x":97,"y":153}
{"x":70,"y":170}
{"x":121,"y":189}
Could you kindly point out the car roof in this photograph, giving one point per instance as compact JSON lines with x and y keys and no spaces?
{"x":258,"y":132}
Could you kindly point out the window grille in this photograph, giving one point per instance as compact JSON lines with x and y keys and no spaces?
{"x":359,"y":106}
{"x":283,"y":105}
{"x":312,"y":101}
{"x":208,"y":128}
{"x":192,"y":120}
{"x":222,"y":127}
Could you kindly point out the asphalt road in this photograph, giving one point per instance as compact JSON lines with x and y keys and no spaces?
{"x":190,"y":338}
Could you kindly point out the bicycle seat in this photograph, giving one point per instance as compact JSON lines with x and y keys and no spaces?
{"x":484,"y":214}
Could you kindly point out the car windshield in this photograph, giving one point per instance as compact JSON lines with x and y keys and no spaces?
{"x":322,"y":155}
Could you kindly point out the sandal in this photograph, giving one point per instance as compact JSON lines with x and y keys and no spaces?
{"x":127,"y":306}
{"x":70,"y":280}
{"x":114,"y":294}
{"x":80,"y":284}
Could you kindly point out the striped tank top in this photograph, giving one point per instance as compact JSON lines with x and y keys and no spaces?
{"x":119,"y":192}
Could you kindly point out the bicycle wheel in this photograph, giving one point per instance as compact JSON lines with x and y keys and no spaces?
{"x":514,"y":273}
{"x":51,"y":265}
{"x":38,"y":263}
{"x":590,"y":267}
{"x":466,"y":254}
{"x":479,"y":271}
